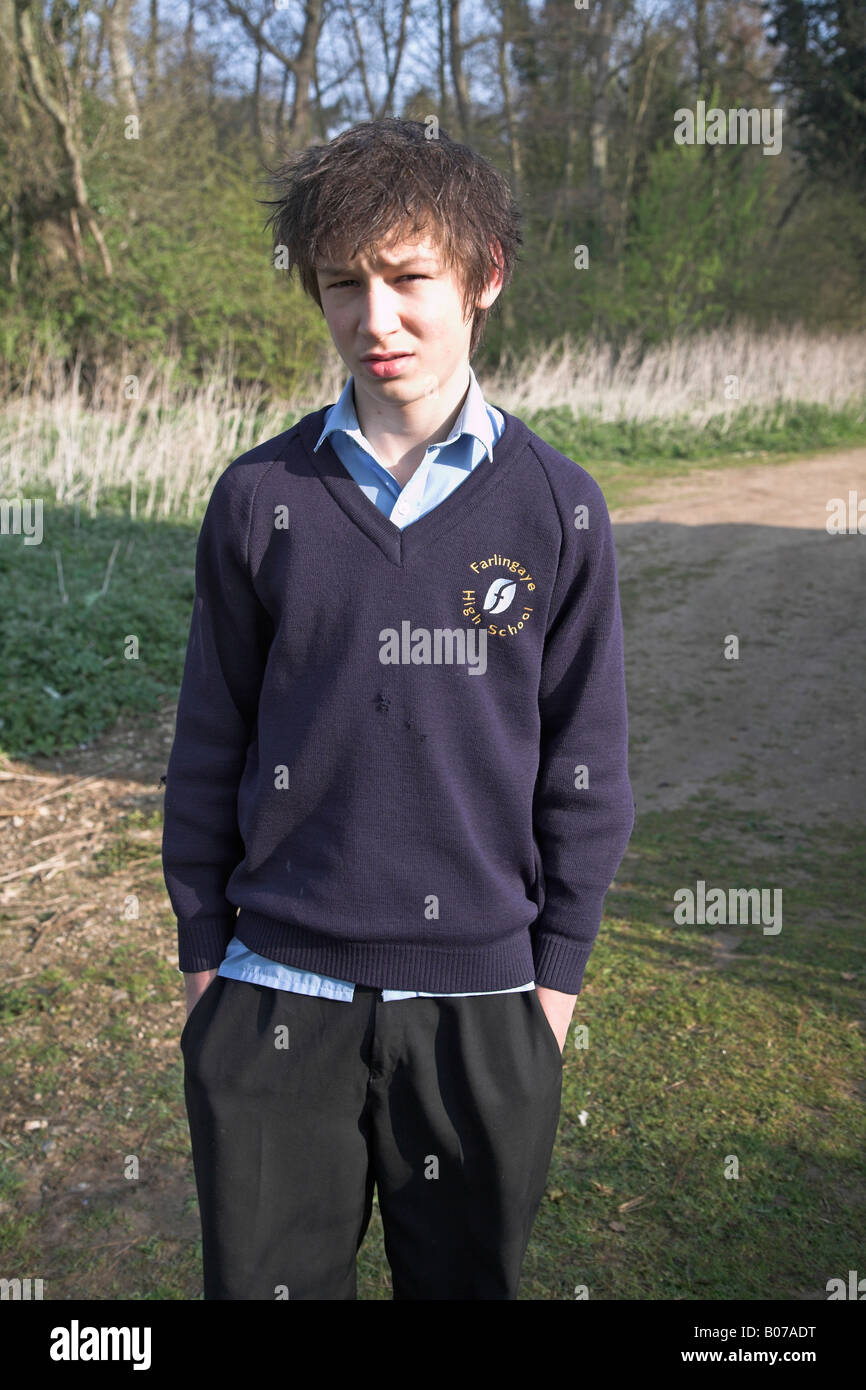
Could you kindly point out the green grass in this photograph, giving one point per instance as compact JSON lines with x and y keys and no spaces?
{"x":137,"y":840}
{"x":690,"y":1066}
{"x":784,"y":428}
{"x":626,"y":456}
{"x":687,"y":1066}
{"x":70,"y":669}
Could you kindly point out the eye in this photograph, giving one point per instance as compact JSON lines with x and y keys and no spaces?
{"x":413,"y":276}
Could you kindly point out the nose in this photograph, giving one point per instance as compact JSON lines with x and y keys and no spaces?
{"x":378,"y":311}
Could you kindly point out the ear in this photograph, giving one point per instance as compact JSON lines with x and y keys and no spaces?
{"x":494,"y":284}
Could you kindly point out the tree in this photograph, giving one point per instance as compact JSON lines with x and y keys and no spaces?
{"x":698,"y":248}
{"x":822,"y":67}
{"x":55,"y":85}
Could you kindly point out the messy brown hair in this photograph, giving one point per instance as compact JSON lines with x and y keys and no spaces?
{"x":384,"y":181}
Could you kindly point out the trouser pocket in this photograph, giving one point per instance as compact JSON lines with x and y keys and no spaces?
{"x":198,"y":1009}
{"x":544,"y":1024}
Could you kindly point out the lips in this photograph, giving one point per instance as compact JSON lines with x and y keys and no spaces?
{"x":383,"y":356}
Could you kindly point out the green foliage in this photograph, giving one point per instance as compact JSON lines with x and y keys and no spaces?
{"x":696,"y":252}
{"x":804,"y":426}
{"x":695,"y":243}
{"x":191,"y":265}
{"x":68,"y":668}
{"x":822,"y":65}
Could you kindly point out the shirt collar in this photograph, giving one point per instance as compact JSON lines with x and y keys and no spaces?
{"x":473,"y":418}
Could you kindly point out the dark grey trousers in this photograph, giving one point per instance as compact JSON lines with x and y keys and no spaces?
{"x":298,"y":1105}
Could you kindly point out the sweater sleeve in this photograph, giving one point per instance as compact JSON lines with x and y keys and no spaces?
{"x":583,"y":808}
{"x":229,"y":636}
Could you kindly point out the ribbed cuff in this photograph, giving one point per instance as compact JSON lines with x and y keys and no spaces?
{"x":201,"y":944}
{"x":559,"y":962}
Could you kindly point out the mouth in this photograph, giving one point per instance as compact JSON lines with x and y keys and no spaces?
{"x":385,"y":365}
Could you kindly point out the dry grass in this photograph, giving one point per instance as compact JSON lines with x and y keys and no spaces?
{"x":688,"y":377}
{"x":164,"y":443}
{"x":147,"y":433}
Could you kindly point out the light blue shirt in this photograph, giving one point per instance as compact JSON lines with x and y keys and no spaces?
{"x":445,"y":465}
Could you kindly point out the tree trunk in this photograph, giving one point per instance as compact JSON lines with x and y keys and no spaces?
{"x":116,"y":18}
{"x":299,"y":116}
{"x":151,"y":53}
{"x":562,"y":208}
{"x":634,"y":127}
{"x":67,"y":129}
{"x":515,"y":162}
{"x":256,"y":114}
{"x":458,"y":77}
{"x":599,"y":121}
{"x":443,"y":81}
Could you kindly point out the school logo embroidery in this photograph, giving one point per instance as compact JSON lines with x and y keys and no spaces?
{"x":502,"y":593}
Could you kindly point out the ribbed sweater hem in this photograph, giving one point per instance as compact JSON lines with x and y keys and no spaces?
{"x":392,"y":964}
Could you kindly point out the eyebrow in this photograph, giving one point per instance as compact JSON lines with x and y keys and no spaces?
{"x":389,"y":265}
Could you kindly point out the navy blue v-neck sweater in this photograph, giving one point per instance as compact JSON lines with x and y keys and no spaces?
{"x":401,"y":755}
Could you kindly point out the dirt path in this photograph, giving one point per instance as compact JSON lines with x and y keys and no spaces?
{"x":747,"y":552}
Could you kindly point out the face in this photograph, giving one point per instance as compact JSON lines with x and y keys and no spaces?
{"x":402,"y":305}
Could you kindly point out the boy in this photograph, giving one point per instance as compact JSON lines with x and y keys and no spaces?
{"x":398,"y":790}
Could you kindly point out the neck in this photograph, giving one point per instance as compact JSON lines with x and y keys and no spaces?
{"x":400,"y":433}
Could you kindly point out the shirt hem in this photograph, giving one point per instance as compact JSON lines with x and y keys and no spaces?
{"x":502,"y":964}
